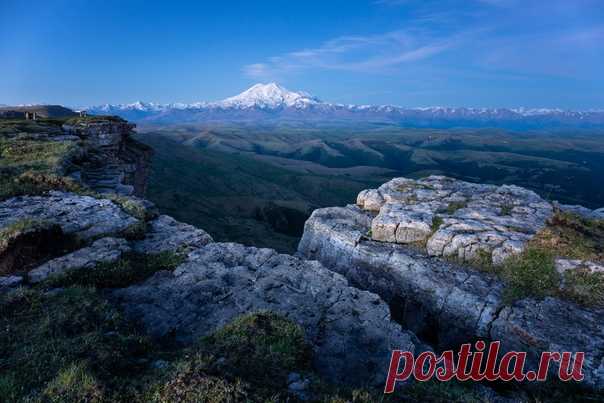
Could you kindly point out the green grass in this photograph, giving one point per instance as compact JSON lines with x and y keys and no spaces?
{"x":75,"y":383}
{"x":73,"y":345}
{"x":19,"y":227}
{"x":63,"y":343}
{"x":573,"y":237}
{"x":584,"y":287}
{"x":22,"y":155}
{"x":437,"y":221}
{"x":454,"y":206}
{"x":530,"y":274}
{"x":16,"y":127}
{"x":506,"y":209}
{"x":263,"y":348}
{"x":130,"y":269}
{"x":36,"y":183}
{"x":30,"y":166}
{"x":92,"y":119}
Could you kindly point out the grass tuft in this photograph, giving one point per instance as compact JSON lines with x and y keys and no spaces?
{"x":262,"y":347}
{"x":530,"y":274}
{"x":130,"y":269}
{"x":456,"y":205}
{"x":437,"y":221}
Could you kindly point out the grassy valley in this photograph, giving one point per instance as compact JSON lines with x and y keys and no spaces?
{"x":257,"y":185}
{"x":239,"y":198}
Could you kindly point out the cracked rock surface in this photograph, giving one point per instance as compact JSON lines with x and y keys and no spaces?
{"x":167,"y":234}
{"x":455,"y":218}
{"x":349,"y":329}
{"x":448,"y":304}
{"x":84,"y":216}
{"x":105,"y":250}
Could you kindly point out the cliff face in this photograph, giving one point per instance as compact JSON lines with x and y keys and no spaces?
{"x":393,"y":242}
{"x":111,"y":161}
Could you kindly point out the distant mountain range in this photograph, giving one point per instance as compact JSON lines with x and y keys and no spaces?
{"x":271,"y":103}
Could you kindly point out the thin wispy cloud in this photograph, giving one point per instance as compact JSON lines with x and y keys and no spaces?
{"x":375,"y":53}
{"x":492,"y":35}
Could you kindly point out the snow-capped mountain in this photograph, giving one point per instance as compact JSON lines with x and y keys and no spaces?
{"x":266,"y":103}
{"x":270,"y":96}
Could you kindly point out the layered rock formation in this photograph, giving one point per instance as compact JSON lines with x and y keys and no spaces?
{"x":447,"y":302}
{"x":455,"y":218}
{"x":111,"y":161}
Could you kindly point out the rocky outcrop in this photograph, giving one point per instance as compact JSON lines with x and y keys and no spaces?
{"x":86,"y":217}
{"x":443,"y":302}
{"x":349,"y":329}
{"x":10,"y":281}
{"x":455,"y":218}
{"x":167,"y":234}
{"x":110,"y":160}
{"x":105,"y":250}
{"x":23,"y":243}
{"x":597,"y":214}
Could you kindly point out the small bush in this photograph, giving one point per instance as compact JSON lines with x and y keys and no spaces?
{"x":132,"y":206}
{"x":135,"y":231}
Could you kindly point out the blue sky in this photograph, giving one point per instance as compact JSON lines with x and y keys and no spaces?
{"x":491,"y":53}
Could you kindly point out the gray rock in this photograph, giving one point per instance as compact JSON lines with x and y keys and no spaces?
{"x":167,"y":234}
{"x":84,"y":216}
{"x":10,"y":281}
{"x":105,"y":250}
{"x":554,"y":325}
{"x":564,"y":265}
{"x":584,"y":212}
{"x":423,"y":291}
{"x":469,"y":217}
{"x":349,"y":329}
{"x":444,"y":303}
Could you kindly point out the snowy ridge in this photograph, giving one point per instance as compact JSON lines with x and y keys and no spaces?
{"x":277,"y":101}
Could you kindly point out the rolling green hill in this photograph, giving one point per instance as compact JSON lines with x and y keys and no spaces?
{"x":258,"y":185}
{"x":239,"y":198}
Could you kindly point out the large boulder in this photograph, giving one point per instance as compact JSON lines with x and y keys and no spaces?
{"x":446,"y":303}
{"x":350,"y":329}
{"x":166,"y":234}
{"x":86,"y":217}
{"x":455,"y":218}
{"x":105,"y":250}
